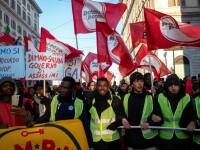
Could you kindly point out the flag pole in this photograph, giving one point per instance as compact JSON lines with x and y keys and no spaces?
{"x":150,"y":72}
{"x":77,"y":49}
{"x":76,"y":41}
{"x":44,"y":87}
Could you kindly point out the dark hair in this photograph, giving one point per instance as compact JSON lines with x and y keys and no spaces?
{"x":102,"y":79}
{"x":122,"y":84}
{"x":71,"y":80}
{"x":37,"y":84}
{"x":90,"y":83}
{"x":147,"y":75}
{"x":136,"y":75}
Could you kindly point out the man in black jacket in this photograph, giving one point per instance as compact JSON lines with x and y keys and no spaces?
{"x":138,"y":106}
{"x":173,"y":108}
{"x":103,"y":107}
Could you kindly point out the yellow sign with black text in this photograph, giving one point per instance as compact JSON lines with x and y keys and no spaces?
{"x":58,"y":135}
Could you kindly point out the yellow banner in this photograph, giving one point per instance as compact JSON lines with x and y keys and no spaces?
{"x":59,"y":135}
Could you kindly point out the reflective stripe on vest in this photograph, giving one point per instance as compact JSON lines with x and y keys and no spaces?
{"x":147,"y":110}
{"x":197,"y":105}
{"x":99,"y":126}
{"x":170,"y":119}
{"x":78,"y":106}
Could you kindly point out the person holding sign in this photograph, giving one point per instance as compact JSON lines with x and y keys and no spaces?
{"x":103,"y":123}
{"x":8,"y":88}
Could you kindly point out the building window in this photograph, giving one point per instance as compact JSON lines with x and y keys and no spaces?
{"x":28,"y":7}
{"x":0,"y":14}
{"x":35,"y":15}
{"x":24,"y":33}
{"x":174,"y":3}
{"x":24,"y":2}
{"x":19,"y":30}
{"x":35,"y":43}
{"x":6,"y":19}
{"x":24,"y":15}
{"x":13,"y":4}
{"x":6,"y":1}
{"x":13,"y":24}
{"x":29,"y":20}
{"x":35,"y":27}
{"x":199,"y":2}
{"x":18,"y":10}
{"x":29,"y":36}
{"x":183,"y":3}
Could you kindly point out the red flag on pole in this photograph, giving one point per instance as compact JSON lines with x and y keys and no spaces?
{"x":138,"y":32}
{"x":159,"y":68}
{"x":87,"y":72}
{"x":92,"y":64}
{"x":109,"y":76}
{"x":48,"y":43}
{"x":86,"y":12}
{"x":111,"y":48}
{"x":188,"y":88}
{"x":29,"y":45}
{"x":101,"y":73}
{"x":163,"y":31}
{"x":4,"y":37}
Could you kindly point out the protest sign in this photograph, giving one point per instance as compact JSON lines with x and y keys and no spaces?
{"x":59,"y":135}
{"x":44,"y":66}
{"x":73,"y":68}
{"x":12,"y":61}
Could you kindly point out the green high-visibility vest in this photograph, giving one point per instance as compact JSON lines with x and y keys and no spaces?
{"x":116,"y":93}
{"x":78,"y":106}
{"x":147,"y":110}
{"x":98,"y":126}
{"x":170,"y":119}
{"x":197,"y":105}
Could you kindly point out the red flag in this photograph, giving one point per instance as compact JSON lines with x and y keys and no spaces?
{"x":48,"y":43}
{"x":86,"y":12}
{"x":87,"y":72}
{"x":111,"y":48}
{"x":29,"y":45}
{"x":92,"y":64}
{"x":163,"y":31}
{"x":4,"y":37}
{"x":101,"y":74}
{"x":188,"y":88}
{"x":159,"y":68}
{"x":137,"y":32}
{"x":109,"y":76}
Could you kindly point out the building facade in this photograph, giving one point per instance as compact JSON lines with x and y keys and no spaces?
{"x":184,"y":61}
{"x":22,"y":17}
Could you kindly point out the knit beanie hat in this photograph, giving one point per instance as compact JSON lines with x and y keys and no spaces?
{"x":172,"y":79}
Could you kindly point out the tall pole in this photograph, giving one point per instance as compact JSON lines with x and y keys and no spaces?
{"x":44,"y":87}
{"x":76,"y":41}
{"x":150,"y":72}
{"x":173,"y":61}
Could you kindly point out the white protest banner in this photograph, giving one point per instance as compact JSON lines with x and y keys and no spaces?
{"x":73,"y":68}
{"x":44,"y":66}
{"x":12,"y":61}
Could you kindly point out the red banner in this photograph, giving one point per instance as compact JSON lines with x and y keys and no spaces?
{"x":86,"y":12}
{"x":4,"y":37}
{"x":138,"y":32}
{"x":159,"y":68}
{"x":163,"y":31}
{"x":48,"y":43}
{"x":111,"y":48}
{"x":29,"y":45}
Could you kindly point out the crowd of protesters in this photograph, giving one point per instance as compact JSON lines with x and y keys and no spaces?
{"x":102,"y":108}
